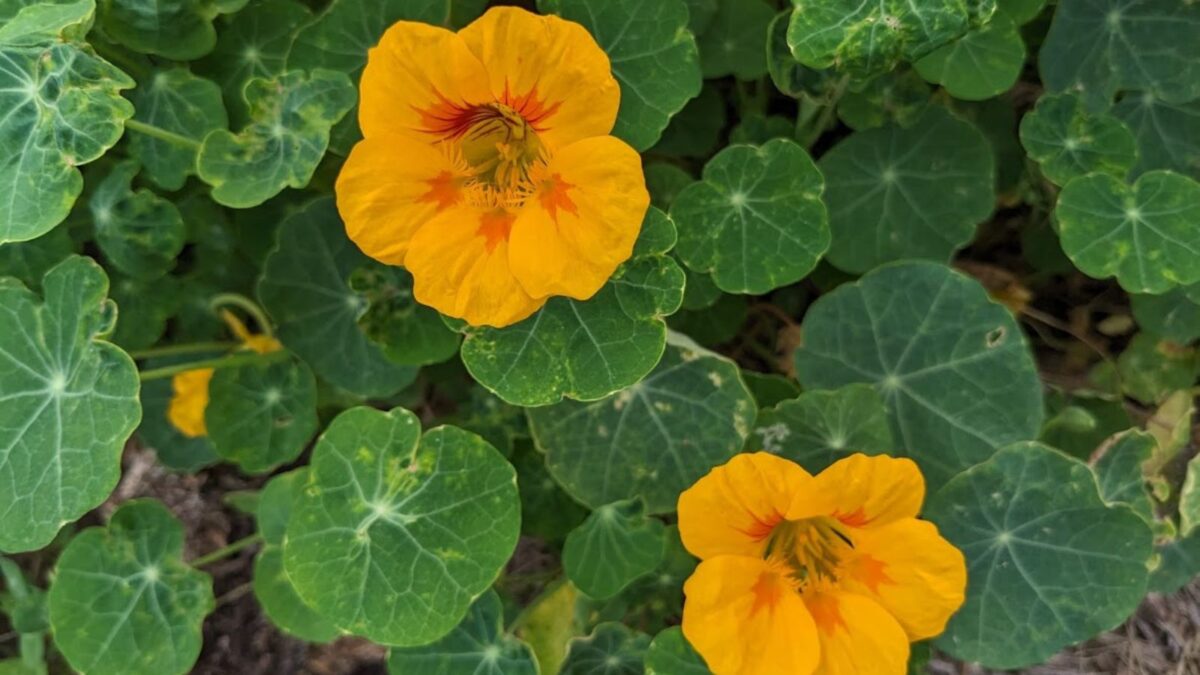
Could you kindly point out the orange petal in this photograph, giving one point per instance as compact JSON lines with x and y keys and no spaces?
{"x":417,"y":80}
{"x":388,"y":188}
{"x":909,"y":569}
{"x":743,"y":616}
{"x":189,"y":399}
{"x":583,"y":221}
{"x":863,"y":491}
{"x":733,"y":509}
{"x":549,"y":70}
{"x":857,"y":636}
{"x":459,"y":263}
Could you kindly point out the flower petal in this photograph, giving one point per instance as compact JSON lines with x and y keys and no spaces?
{"x":857,"y":636}
{"x":417,"y":79}
{"x":744,"y":618}
{"x":863,"y":491}
{"x":189,"y":399}
{"x":459,"y":263}
{"x":733,"y":509}
{"x":389,"y":187}
{"x":549,"y":70}
{"x":909,"y":569}
{"x":583,"y":222}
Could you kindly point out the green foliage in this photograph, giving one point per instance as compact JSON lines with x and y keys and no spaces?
{"x":176,"y":29}
{"x":261,"y":415}
{"x":612,"y":548}
{"x":477,"y":646}
{"x":612,"y":649}
{"x":817,"y":428}
{"x":670,"y":654}
{"x":984,"y":62}
{"x":138,"y":232}
{"x":123,"y":602}
{"x":736,"y":40}
{"x":1067,"y":140}
{"x":181,"y":103}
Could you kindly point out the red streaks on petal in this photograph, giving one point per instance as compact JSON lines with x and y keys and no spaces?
{"x":857,"y":518}
{"x":530,"y":106}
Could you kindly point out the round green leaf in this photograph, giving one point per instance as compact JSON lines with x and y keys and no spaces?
{"x":952,"y":366}
{"x":586,"y":350}
{"x":477,"y":646}
{"x":181,"y":103}
{"x":1048,"y":563}
{"x":408,"y":332}
{"x":62,"y":109}
{"x":1068,"y":141}
{"x":396,"y":534}
{"x":290,"y":118}
{"x":252,"y":43}
{"x":612,"y":548}
{"x":907,"y":192}
{"x":139,"y":232}
{"x":756,"y":220}
{"x":670,"y":654}
{"x":981,"y":64}
{"x":654,"y":58}
{"x":866,"y":39}
{"x":272,"y":588}
{"x":820,"y":427}
{"x":736,"y":40}
{"x":653,"y":439}
{"x":180,"y":30}
{"x":1147,"y":234}
{"x":1173,"y":316}
{"x":68,"y":403}
{"x":1100,"y":47}
{"x":261,"y":415}
{"x":123,"y":602}
{"x":1168,"y":134}
{"x":1119,"y":472}
{"x":611,"y":649}
{"x":305,"y":289}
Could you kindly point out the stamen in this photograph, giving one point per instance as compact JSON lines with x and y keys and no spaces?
{"x":812,"y":549}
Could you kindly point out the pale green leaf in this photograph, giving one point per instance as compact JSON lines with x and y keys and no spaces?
{"x":68,"y":403}
{"x":396,"y":534}
{"x":670,"y":654}
{"x":585,"y":350}
{"x":981,"y":64}
{"x":616,"y":545}
{"x":736,"y":40}
{"x":611,"y":649}
{"x":62,"y":109}
{"x":305,"y":288}
{"x":177,"y":101}
{"x":1145,"y":234}
{"x":1067,"y":140}
{"x":907,"y":192}
{"x":477,"y":646}
{"x":1151,"y":369}
{"x":290,"y":118}
{"x":1118,"y":466}
{"x":756,"y":220}
{"x":820,"y":427}
{"x":952,"y":365}
{"x":1048,"y":563}
{"x":123,"y":602}
{"x":139,"y":232}
{"x":653,"y":439}
{"x":1189,"y":499}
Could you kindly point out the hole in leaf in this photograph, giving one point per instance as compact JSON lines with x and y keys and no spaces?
{"x":996,"y":337}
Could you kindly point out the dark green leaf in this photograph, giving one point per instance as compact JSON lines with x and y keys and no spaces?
{"x":820,"y":427}
{"x":612,"y":548}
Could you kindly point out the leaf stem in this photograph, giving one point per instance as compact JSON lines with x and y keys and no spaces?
{"x":162,"y":134}
{"x":227,"y":361}
{"x":811,"y":130}
{"x":245,"y":304}
{"x":226,"y":551}
{"x":182,"y":349}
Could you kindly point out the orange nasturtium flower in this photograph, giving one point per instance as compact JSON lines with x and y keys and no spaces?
{"x":830,"y":574}
{"x":189,"y":389}
{"x":487,"y":168}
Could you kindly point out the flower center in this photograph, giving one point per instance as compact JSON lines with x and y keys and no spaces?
{"x":812,"y":549}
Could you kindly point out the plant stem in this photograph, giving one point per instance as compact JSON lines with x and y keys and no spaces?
{"x":811,"y":132}
{"x":228,"y":361}
{"x":245,"y":304}
{"x":226,"y":551}
{"x":178,"y":350}
{"x":162,"y":134}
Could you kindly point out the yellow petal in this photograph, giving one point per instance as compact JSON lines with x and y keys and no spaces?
{"x":549,"y":70}
{"x":863,"y":491}
{"x":417,"y":81}
{"x":189,"y":399}
{"x":733,"y":509}
{"x":909,"y":569}
{"x":583,"y":221}
{"x":857,"y":636}
{"x":389,"y":187}
{"x":743,"y":616}
{"x":459,"y":263}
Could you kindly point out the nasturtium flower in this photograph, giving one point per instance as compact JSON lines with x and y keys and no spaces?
{"x":830,"y":574}
{"x":189,"y":389}
{"x":486,"y":166}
